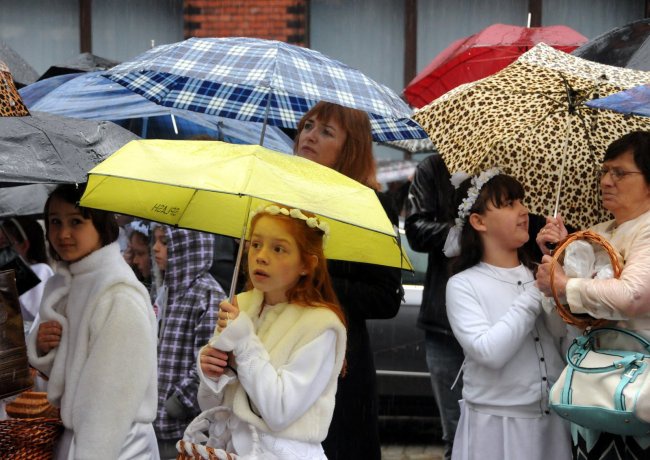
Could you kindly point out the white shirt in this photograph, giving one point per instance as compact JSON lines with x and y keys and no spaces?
{"x":511,"y":357}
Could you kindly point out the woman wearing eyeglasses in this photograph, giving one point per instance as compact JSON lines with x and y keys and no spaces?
{"x":625,"y":185}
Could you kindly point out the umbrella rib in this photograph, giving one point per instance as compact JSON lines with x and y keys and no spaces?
{"x":188,"y":202}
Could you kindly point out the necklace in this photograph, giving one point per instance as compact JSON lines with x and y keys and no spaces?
{"x":493,"y":273}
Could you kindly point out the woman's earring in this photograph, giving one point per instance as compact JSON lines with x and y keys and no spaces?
{"x":303,"y":273}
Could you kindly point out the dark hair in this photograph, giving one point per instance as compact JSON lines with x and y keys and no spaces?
{"x":497,"y":191}
{"x":36,"y":252}
{"x":356,"y":159}
{"x":638,"y":142}
{"x":103,"y":221}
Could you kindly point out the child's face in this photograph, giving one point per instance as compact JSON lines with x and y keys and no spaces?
{"x":141,"y":258}
{"x":507,"y":226}
{"x":160,"y":248}
{"x":274,"y":262}
{"x":72,"y":236}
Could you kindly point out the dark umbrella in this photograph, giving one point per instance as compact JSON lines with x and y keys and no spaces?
{"x":24,"y":200}
{"x":84,"y":62}
{"x":46,"y":148}
{"x":23,"y":73}
{"x":626,"y":46}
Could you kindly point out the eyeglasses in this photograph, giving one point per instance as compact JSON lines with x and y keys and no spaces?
{"x":617,"y":174}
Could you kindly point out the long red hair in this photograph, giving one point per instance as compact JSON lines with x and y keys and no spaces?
{"x":355,"y":159}
{"x":315,"y":288}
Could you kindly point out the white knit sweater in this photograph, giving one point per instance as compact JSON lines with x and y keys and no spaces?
{"x":103,"y":373}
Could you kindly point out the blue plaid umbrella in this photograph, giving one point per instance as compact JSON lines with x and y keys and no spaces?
{"x":93,"y":97}
{"x":261,"y":80}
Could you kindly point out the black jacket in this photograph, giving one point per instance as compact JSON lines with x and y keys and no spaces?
{"x":365,"y":291}
{"x":426,"y":230}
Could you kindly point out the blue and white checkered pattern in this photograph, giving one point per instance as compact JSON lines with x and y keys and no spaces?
{"x":238,"y":78}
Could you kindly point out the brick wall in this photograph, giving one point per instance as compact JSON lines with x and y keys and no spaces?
{"x":283,"y":20}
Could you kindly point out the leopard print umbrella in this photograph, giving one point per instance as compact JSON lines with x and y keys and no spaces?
{"x":11,"y":104}
{"x":525,"y":117}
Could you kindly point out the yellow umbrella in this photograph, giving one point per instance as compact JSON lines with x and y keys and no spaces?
{"x":212,"y":186}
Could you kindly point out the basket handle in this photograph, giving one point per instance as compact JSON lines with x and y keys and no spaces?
{"x":581,"y":235}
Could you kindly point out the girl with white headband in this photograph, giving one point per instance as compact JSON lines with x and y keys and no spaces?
{"x":512,"y":350}
{"x":269,"y":375}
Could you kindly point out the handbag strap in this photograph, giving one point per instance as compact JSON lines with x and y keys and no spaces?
{"x":632,"y":364}
{"x":581,"y":345}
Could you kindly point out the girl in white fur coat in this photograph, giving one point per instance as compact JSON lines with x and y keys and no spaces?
{"x":96,"y":339}
{"x":270,"y":373}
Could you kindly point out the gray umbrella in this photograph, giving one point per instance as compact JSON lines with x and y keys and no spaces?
{"x":23,"y":73}
{"x":24,"y":200}
{"x":626,"y":46}
{"x":84,"y":62}
{"x":46,"y":148}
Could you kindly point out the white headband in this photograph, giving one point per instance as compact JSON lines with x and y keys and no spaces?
{"x":312,"y":222}
{"x":140,"y":226}
{"x":452,"y":243}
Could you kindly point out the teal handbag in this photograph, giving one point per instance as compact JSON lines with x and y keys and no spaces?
{"x":606,"y":389}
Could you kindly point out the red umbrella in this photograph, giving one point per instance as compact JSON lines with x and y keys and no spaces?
{"x":482,"y":54}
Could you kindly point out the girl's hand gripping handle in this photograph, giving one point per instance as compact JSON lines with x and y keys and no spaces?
{"x":227,"y":312}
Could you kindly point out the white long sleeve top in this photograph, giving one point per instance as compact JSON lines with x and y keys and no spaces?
{"x":511,"y":356}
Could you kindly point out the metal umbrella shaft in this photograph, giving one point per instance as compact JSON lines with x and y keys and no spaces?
{"x":240,"y":254}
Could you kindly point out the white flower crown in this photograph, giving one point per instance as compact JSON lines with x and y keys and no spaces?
{"x":452,"y":243}
{"x":140,"y":226}
{"x":473,"y":192}
{"x":312,"y":222}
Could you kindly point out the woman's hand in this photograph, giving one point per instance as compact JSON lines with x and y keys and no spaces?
{"x":49,"y":336}
{"x":213,"y":362}
{"x":544,"y":278}
{"x":227,"y":312}
{"x":553,"y":232}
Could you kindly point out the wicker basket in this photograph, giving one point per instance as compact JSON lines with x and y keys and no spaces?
{"x":29,"y":438}
{"x":32,"y":404}
{"x":582,"y":321}
{"x":191,"y":451}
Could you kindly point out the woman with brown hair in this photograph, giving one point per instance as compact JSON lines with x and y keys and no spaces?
{"x":340,"y":138}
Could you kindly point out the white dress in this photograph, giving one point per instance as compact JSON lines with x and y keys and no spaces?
{"x":512,"y":359}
